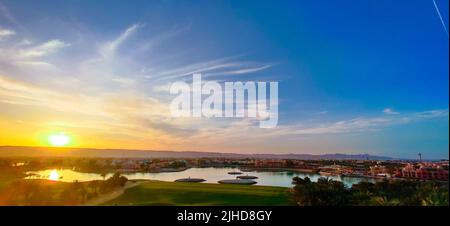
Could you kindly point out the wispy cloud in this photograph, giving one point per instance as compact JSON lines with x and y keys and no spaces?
{"x":110,"y":48}
{"x":24,"y":56}
{"x":433,"y":113}
{"x":212,"y":68}
{"x":344,"y":126}
{"x":4,"y":12}
{"x":247,"y":70}
{"x":361,"y":124}
{"x":158,"y":39}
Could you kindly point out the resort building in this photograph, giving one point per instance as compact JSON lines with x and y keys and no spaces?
{"x":378,"y":171}
{"x":270,"y":163}
{"x":334,"y":170}
{"x":424,"y":172}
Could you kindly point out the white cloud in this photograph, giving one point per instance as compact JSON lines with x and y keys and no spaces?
{"x":5,"y":33}
{"x":433,"y":113}
{"x":390,"y":111}
{"x":44,"y":49}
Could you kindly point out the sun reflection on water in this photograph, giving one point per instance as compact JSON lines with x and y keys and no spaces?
{"x":54,"y":175}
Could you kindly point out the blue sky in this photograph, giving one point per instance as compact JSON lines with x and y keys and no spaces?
{"x":354,"y":76}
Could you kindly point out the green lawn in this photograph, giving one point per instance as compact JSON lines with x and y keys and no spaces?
{"x":201,"y":194}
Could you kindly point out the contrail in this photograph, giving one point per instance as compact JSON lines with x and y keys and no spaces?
{"x":440,"y":17}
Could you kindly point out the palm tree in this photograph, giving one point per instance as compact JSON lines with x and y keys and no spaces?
{"x":383,"y":201}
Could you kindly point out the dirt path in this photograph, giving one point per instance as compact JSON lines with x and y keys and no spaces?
{"x":111,"y":195}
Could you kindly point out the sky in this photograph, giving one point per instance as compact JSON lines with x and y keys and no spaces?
{"x":354,"y":76}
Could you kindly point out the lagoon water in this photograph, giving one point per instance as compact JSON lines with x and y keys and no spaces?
{"x":211,"y":175}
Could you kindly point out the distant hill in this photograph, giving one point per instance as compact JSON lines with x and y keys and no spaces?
{"x":18,"y":151}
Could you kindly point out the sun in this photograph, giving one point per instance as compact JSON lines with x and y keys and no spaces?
{"x":59,"y":139}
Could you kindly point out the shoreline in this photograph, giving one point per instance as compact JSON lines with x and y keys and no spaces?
{"x":110,"y":171}
{"x":298,"y":170}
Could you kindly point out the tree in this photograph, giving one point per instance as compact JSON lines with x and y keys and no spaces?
{"x":324,"y":192}
{"x":327,"y":192}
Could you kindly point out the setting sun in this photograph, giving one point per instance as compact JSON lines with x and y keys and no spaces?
{"x":59,"y":139}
